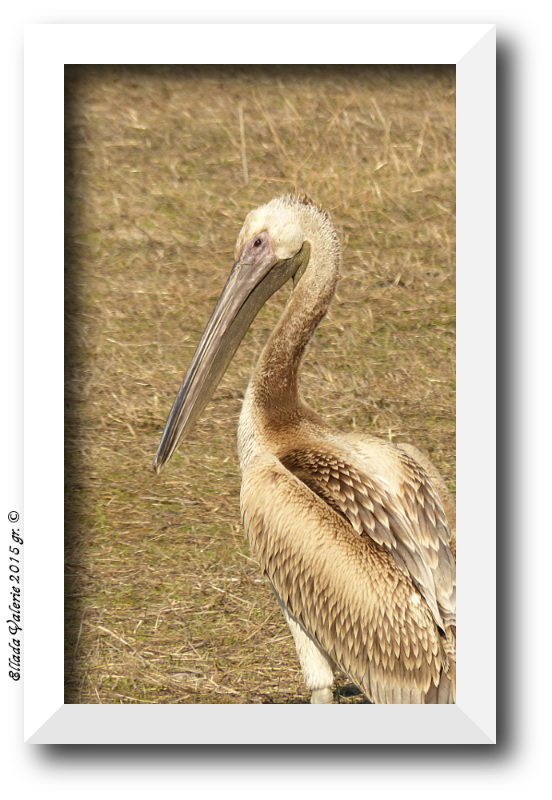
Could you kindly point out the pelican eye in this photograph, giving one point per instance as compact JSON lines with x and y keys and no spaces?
{"x":257,"y":242}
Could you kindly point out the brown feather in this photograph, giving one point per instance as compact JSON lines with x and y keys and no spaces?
{"x":348,"y":591}
{"x":411,"y":525}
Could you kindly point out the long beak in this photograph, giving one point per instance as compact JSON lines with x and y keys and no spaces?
{"x":246,"y":291}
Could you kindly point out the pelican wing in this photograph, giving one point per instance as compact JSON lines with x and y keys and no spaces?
{"x":346,"y":590}
{"x":410,"y":523}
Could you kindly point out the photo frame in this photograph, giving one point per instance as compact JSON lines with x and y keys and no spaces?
{"x":47,"y":49}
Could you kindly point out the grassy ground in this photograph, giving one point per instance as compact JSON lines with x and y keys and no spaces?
{"x":164,"y":603}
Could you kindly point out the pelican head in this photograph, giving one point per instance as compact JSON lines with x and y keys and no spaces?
{"x":271,"y":249}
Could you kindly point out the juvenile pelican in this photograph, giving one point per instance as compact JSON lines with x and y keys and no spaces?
{"x":351,"y":530}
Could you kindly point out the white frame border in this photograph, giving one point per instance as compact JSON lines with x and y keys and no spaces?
{"x":47,"y":49}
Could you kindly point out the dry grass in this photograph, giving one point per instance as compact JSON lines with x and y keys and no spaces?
{"x":164,"y":603}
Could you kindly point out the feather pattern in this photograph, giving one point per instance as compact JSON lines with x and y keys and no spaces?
{"x":410,"y":524}
{"x":345,"y":589}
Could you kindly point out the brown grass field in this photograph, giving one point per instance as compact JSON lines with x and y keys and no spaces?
{"x":164,"y":602}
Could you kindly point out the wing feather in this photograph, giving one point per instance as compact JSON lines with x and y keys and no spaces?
{"x":410,"y":523}
{"x":346,"y":590}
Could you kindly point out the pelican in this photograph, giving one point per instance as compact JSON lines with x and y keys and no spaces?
{"x":351,"y":530}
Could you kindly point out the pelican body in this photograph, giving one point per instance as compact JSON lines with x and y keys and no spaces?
{"x":355,"y":534}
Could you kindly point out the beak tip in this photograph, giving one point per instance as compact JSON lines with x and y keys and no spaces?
{"x":157,"y":466}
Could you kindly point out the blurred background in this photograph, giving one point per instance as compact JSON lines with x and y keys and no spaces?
{"x":164,"y":603}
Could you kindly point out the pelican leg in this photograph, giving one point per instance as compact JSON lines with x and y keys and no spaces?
{"x":322,"y":696}
{"x":316,"y":665}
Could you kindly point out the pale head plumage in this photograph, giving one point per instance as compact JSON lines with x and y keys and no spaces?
{"x":289,"y":221}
